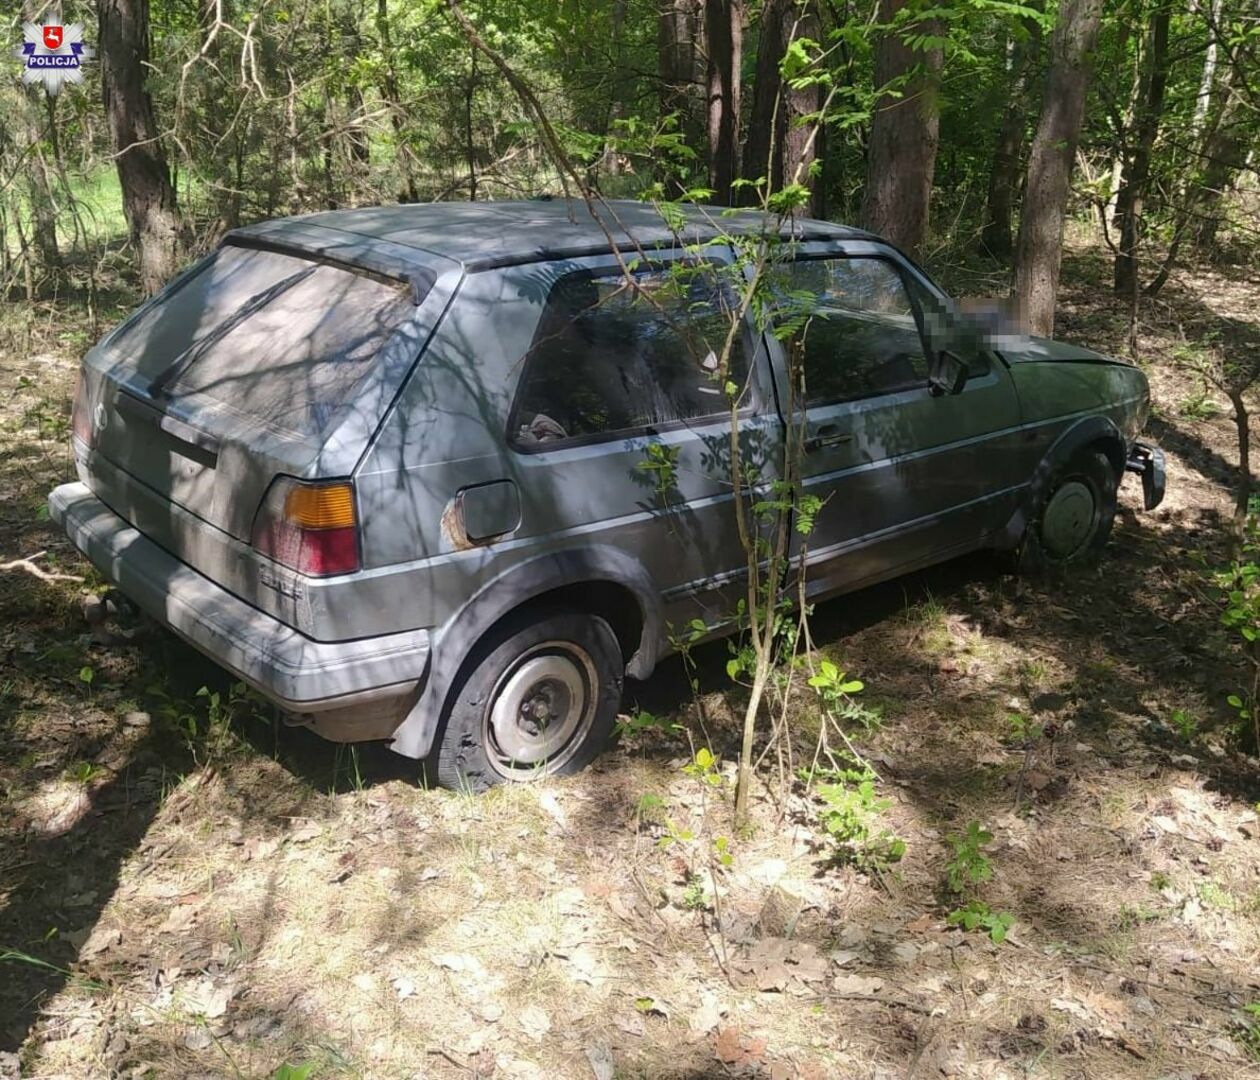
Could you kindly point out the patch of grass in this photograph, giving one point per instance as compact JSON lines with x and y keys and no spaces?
{"x":83,"y":772}
{"x":1215,"y":897}
{"x":928,"y":621}
{"x":1134,"y":915}
{"x":1199,"y":405}
{"x":1033,"y":671}
{"x":1250,"y":1030}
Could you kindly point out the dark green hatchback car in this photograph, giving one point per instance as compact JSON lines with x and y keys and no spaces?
{"x":383,"y":464}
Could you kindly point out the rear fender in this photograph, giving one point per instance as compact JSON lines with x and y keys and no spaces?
{"x":514,"y":588}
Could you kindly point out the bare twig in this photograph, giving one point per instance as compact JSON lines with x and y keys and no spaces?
{"x":28,"y":565}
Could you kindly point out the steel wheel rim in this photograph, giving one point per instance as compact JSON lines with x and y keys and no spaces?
{"x":1069,"y":520}
{"x":540,"y":711}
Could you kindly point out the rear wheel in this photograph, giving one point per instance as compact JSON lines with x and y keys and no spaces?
{"x":539,"y":697}
{"x":1075,"y":517}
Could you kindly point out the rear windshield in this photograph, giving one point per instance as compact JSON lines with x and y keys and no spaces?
{"x":271,"y":337}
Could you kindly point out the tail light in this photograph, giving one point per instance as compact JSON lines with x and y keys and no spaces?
{"x":310,"y":528}
{"x":81,"y":417}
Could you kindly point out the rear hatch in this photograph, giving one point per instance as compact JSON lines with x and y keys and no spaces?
{"x":265,"y":359}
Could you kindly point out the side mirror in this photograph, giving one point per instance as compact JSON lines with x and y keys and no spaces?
{"x":947,"y":375}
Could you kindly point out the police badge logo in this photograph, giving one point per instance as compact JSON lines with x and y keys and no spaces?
{"x":53,"y":54}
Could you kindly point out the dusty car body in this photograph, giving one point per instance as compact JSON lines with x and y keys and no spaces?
{"x":360,"y":457}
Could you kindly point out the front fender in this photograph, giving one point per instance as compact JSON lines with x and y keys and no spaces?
{"x":1088,"y":431}
{"x":519,"y":584}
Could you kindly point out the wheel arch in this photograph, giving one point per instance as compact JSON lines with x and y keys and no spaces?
{"x":600,"y":580}
{"x":1091,"y":432}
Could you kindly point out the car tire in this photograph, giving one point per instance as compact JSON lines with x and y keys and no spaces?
{"x":1074,"y":518}
{"x":501,"y":723}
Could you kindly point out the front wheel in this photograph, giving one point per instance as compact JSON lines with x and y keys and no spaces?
{"x":1075,"y":517}
{"x":539,"y":697}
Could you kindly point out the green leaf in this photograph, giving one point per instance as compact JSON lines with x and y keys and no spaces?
{"x":294,"y":1072}
{"x":704,"y":757}
{"x":1235,"y":701}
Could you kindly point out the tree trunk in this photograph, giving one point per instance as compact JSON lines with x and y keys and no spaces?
{"x":1203,"y":100}
{"x":723,"y":27}
{"x":1216,"y":149}
{"x":1242,"y":497}
{"x":778,"y":147}
{"x":1138,"y":168}
{"x":620,"y":94}
{"x":1004,"y":175}
{"x":147,"y":194}
{"x":676,"y":48}
{"x":39,"y":189}
{"x":393,"y":98}
{"x":761,"y":144}
{"x":1039,"y":248}
{"x":40,"y":193}
{"x":1225,"y":154}
{"x":905,"y":132}
{"x":470,"y":143}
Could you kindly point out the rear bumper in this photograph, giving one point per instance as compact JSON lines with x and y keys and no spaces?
{"x":1148,"y":462}
{"x":345,"y":689}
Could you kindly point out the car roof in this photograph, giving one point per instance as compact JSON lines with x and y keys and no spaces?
{"x":485,"y":234}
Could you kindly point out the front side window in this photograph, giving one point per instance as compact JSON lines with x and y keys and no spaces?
{"x":858,"y":332}
{"x":608,"y":357}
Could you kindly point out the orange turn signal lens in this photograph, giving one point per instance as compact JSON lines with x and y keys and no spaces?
{"x":327,"y":506}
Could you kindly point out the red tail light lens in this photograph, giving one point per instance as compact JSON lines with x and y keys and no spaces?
{"x":310,"y":528}
{"x":81,"y":417}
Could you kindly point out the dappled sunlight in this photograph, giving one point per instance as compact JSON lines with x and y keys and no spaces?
{"x":226,"y":901}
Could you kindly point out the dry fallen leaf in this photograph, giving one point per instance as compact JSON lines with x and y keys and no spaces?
{"x":905,"y":952}
{"x":554,"y":810}
{"x":707,"y":1017}
{"x":857,"y":984}
{"x":727,"y":1046}
{"x":631,"y":1023}
{"x":94,"y":941}
{"x":1072,"y":1008}
{"x":772,"y":976}
{"x":601,"y":1059}
{"x":458,"y":962}
{"x":731,"y":1049}
{"x":207,"y":999}
{"x":306,"y":830}
{"x":179,"y":918}
{"x":534,"y":1022}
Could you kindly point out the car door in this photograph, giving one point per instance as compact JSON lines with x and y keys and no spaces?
{"x":906,"y":477}
{"x":620,"y":430}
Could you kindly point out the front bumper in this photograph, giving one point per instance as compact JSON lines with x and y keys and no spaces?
{"x":344,"y":689}
{"x":1148,"y":462}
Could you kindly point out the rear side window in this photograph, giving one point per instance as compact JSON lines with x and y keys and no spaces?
{"x":279,"y":340}
{"x":607,"y":358}
{"x":862,"y":338}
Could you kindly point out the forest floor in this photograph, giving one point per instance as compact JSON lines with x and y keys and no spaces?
{"x":228,"y":903}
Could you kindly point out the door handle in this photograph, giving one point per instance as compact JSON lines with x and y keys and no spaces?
{"x":827,"y":435}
